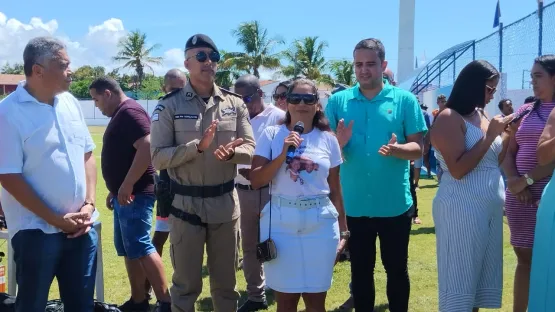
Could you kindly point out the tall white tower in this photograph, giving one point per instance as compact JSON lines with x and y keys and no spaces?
{"x":405,"y":66}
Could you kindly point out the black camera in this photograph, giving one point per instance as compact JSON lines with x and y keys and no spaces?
{"x":266,"y":251}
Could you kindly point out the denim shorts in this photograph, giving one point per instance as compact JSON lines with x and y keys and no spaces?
{"x":132,"y":225}
{"x":306,"y":234}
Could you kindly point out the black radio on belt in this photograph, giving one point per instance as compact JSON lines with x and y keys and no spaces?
{"x":199,"y":191}
{"x":164,"y":196}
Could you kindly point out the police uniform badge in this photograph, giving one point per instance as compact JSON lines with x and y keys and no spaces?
{"x":229,"y":111}
{"x":189,"y":94}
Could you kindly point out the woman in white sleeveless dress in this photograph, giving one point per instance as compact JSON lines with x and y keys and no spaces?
{"x":468,"y":207}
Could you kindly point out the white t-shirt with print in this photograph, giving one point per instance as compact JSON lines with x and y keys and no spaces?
{"x":271,"y":116}
{"x":307,"y":174}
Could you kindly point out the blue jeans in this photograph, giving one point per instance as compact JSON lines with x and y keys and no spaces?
{"x":40,"y":257}
{"x":132,"y":225}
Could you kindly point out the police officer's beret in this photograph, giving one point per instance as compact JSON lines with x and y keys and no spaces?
{"x":200,"y":41}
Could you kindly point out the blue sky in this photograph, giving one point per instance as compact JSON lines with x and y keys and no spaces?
{"x":439,"y":24}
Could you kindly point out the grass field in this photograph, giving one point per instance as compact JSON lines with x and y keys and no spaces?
{"x":422,"y":261}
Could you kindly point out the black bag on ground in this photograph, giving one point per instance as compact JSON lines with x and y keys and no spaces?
{"x":58,"y":306}
{"x":7,"y":303}
{"x":54,"y":306}
{"x":105,"y":307}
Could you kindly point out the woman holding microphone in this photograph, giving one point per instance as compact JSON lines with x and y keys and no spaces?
{"x":305,"y":218}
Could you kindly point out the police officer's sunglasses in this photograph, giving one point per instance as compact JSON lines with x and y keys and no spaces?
{"x":203,"y":56}
{"x":279,"y":96}
{"x":308,"y":99}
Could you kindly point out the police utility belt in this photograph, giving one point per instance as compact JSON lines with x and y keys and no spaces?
{"x":206,"y":191}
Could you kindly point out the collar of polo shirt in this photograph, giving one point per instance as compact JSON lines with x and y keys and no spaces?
{"x":386,"y":93}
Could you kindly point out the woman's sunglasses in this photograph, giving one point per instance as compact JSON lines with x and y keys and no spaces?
{"x":491,"y":89}
{"x":308,"y":99}
{"x":203,"y":56}
{"x":280,"y":96}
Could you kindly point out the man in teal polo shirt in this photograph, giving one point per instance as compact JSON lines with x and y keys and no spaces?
{"x":380,"y":128}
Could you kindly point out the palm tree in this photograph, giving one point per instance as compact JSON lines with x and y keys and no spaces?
{"x":306,"y":58}
{"x":257,"y":46}
{"x":343,"y":72}
{"x":135,"y":53}
{"x":227,"y":71}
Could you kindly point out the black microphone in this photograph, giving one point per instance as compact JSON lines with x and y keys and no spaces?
{"x":299,"y":128}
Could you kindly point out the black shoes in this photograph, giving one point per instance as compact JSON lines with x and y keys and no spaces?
{"x":252,"y":306}
{"x":163,"y":307}
{"x":131,"y":306}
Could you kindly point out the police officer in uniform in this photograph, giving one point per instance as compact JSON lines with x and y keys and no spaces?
{"x":199,"y":134}
{"x":173,"y":80}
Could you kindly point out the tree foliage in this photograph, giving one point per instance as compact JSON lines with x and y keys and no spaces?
{"x":136,"y":55}
{"x":227,"y":71}
{"x":342,"y":72}
{"x":306,"y":58}
{"x":15,"y":69}
{"x":257,"y":49}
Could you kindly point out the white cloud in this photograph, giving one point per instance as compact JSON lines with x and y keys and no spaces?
{"x":96,"y":47}
{"x":173,"y":58}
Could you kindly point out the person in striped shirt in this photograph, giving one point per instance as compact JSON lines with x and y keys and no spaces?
{"x":526,"y":180}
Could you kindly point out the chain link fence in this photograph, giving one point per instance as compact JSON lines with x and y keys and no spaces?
{"x":511,"y":50}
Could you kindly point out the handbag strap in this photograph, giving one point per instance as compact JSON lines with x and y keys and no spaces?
{"x":260,"y":199}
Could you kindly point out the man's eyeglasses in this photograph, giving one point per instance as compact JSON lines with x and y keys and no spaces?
{"x":279,"y":96}
{"x":308,"y":99}
{"x":203,"y":56}
{"x":247,"y":99}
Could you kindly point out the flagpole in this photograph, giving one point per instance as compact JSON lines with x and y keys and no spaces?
{"x":501,"y":47}
{"x":540,"y":27}
{"x":497,"y":22}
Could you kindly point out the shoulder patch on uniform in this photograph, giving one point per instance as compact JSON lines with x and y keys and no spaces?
{"x":174,"y":92}
{"x":155,"y":117}
{"x":226,"y":91}
{"x":159,"y":107}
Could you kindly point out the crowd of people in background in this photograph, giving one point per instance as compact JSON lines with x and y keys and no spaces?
{"x":265,"y":179}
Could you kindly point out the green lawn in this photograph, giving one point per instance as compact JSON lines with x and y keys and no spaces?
{"x":422,"y":261}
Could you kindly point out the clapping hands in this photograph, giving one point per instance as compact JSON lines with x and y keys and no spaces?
{"x":391,"y":147}
{"x":344,"y":133}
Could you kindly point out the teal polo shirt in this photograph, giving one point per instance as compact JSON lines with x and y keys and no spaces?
{"x":374,"y":185}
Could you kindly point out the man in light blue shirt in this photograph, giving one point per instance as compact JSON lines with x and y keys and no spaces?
{"x":48,"y":173}
{"x":384,"y":133}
